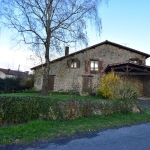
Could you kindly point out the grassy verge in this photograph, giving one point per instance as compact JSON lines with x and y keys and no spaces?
{"x":54,"y":129}
{"x":53,"y":95}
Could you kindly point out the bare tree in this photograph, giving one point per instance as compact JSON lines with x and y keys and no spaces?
{"x":46,"y":24}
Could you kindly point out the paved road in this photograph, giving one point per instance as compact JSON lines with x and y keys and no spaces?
{"x":136,"y":137}
{"x":144,"y":102}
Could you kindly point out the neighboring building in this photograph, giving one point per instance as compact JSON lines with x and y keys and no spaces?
{"x":8,"y":73}
{"x":82,"y":70}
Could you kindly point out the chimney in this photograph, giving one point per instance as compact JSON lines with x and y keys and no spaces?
{"x":66,"y":51}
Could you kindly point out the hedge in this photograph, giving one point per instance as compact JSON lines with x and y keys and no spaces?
{"x":25,"y":109}
{"x":9,"y":85}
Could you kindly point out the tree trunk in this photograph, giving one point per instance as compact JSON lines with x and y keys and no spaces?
{"x":47,"y":48}
{"x":46,"y":69}
{"x":45,"y":80}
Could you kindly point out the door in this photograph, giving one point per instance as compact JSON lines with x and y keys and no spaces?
{"x":87,"y":84}
{"x":51,"y":83}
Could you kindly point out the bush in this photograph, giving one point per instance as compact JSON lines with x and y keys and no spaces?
{"x":114,"y":87}
{"x":10,"y":85}
{"x":109,"y":87}
{"x":25,"y":109}
{"x":128,"y":90}
{"x":27,"y":82}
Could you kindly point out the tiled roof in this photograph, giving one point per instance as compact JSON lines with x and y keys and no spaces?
{"x":13,"y":72}
{"x":124,"y":64}
{"x":96,"y":45}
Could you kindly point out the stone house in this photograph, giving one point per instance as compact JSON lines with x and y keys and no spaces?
{"x":81,"y":71}
{"x":8,"y":73}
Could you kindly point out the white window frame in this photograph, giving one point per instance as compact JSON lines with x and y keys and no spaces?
{"x":94,"y":65}
{"x":73,"y":63}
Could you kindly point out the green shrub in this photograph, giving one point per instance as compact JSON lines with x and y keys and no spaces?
{"x":11,"y":85}
{"x":25,"y":109}
{"x":31,"y":90}
{"x":128,"y":90}
{"x":114,"y":87}
{"x":27,"y":82}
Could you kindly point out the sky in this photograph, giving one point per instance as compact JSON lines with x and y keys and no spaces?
{"x":126,"y":22}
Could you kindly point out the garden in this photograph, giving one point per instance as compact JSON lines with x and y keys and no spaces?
{"x":28,"y":116}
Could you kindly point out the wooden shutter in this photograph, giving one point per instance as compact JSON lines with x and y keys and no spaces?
{"x":101,"y":66}
{"x":68,"y":63}
{"x":87,"y":66}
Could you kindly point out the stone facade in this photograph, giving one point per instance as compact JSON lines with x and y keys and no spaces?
{"x":67,"y":78}
{"x":146,"y":85}
{"x":137,"y":83}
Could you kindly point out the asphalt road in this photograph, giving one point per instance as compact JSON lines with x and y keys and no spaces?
{"x":136,"y":137}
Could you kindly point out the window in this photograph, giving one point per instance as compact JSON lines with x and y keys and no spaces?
{"x":94,"y":65}
{"x":136,"y":61}
{"x":73,"y":64}
{"x":133,"y":61}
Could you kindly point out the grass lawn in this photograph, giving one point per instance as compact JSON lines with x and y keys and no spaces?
{"x":35,"y":130}
{"x":54,"y":129}
{"x":60,"y":96}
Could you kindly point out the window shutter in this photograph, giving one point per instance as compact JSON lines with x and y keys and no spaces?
{"x":101,"y":66}
{"x":87,"y":66}
{"x":78,"y":63}
{"x":68,"y":63}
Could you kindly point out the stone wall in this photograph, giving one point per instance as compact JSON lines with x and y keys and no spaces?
{"x":38,"y":78}
{"x":147,"y":86}
{"x":67,"y":78}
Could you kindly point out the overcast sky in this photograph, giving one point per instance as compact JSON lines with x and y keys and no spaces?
{"x":125,"y":22}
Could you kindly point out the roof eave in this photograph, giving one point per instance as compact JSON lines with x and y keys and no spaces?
{"x":96,"y":45}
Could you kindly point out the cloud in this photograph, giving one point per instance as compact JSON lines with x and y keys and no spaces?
{"x":15,"y":59}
